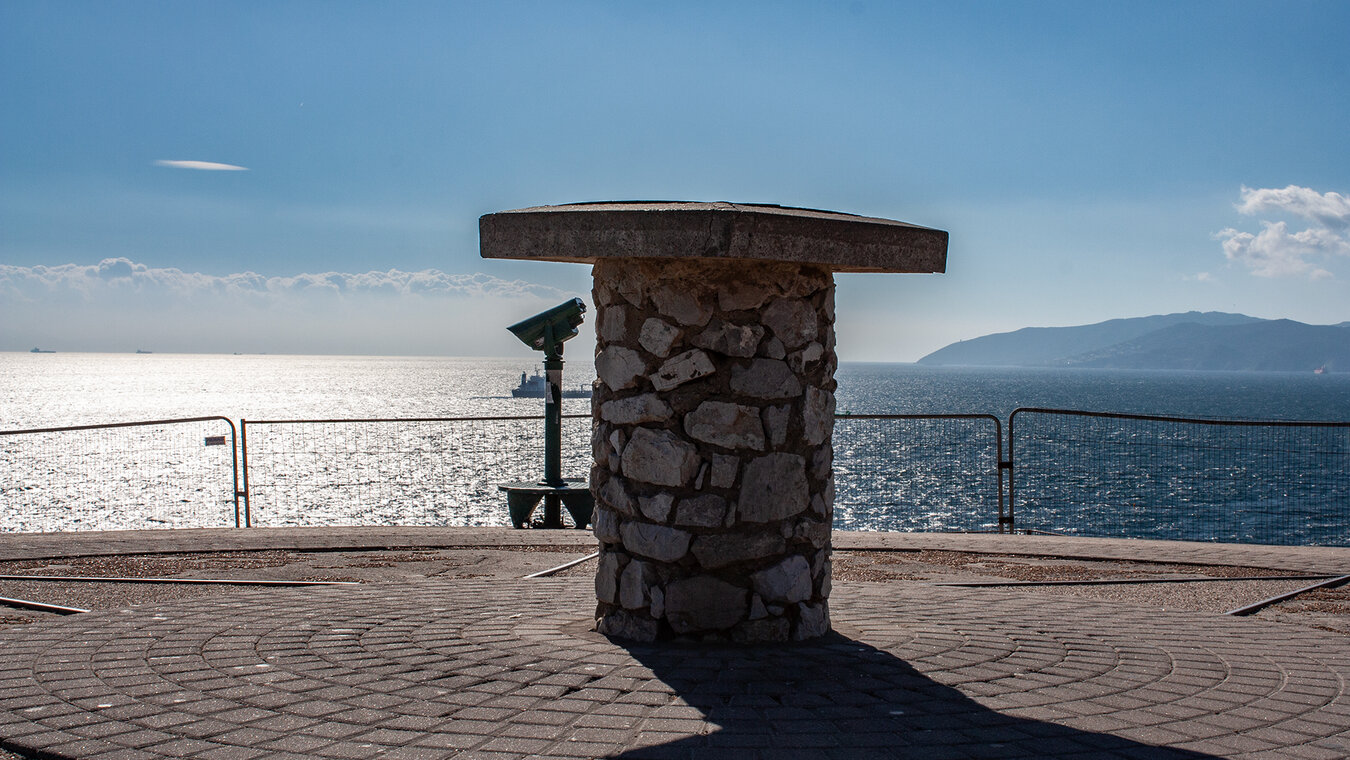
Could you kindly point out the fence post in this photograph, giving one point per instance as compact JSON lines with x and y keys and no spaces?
{"x":234,"y":464}
{"x":1011,"y":518}
{"x":243,"y":449}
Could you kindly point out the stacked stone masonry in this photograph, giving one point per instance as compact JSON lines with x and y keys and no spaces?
{"x":713,"y":478}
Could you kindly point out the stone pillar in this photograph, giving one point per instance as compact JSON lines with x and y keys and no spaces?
{"x":714,"y":403}
{"x":713,"y":411}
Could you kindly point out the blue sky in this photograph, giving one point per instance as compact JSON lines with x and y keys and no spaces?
{"x":1090,"y":160}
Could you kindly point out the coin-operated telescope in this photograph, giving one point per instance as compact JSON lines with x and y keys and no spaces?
{"x":547,"y":331}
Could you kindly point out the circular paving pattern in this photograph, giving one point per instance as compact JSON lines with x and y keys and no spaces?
{"x":474,"y":667}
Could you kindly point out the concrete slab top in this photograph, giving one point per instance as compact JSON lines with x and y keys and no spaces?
{"x":587,"y":232}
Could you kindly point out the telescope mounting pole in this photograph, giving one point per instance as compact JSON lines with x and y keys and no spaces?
{"x":553,"y":366}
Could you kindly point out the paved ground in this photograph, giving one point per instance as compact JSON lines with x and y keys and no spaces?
{"x":13,"y":547}
{"x":496,"y":666}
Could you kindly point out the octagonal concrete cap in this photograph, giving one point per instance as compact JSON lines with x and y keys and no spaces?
{"x":587,"y":232}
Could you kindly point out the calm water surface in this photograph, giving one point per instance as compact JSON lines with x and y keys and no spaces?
{"x":48,"y":390}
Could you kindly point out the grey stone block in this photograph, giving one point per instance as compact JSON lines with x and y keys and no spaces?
{"x":623,"y":624}
{"x":720,"y":550}
{"x":632,"y":410}
{"x":724,"y":470}
{"x":792,"y":321}
{"x":707,"y":511}
{"x":605,"y":524}
{"x":773,"y":487}
{"x":656,"y":508}
{"x":732,"y":426}
{"x":788,"y":581}
{"x":659,"y":457}
{"x":817,"y":416}
{"x":657,"y":336}
{"x":766,"y":379}
{"x":704,"y":603}
{"x":619,"y":367}
{"x":681,"y":369}
{"x":657,"y":542}
{"x":730,"y":339}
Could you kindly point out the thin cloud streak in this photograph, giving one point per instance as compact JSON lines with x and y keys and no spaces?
{"x":209,"y":166}
{"x":120,"y":304}
{"x":122,"y":274}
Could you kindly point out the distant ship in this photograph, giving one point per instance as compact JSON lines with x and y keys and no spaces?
{"x":41,"y":351}
{"x":1322,"y":370}
{"x":536,"y":386}
{"x":143,"y":351}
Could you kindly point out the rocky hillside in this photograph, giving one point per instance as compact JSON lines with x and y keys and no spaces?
{"x":1192,"y":340}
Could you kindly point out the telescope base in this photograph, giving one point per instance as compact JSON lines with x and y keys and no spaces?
{"x":523,"y":496}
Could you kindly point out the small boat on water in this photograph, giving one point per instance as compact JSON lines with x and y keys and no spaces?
{"x":1322,"y":370}
{"x":41,"y":351}
{"x":536,"y":386}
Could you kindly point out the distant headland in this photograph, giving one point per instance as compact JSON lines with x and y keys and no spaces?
{"x":1187,"y":341}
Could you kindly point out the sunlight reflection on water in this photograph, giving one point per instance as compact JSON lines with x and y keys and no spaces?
{"x":915,"y":476}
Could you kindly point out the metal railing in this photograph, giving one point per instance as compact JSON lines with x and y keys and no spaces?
{"x":1066,"y":471}
{"x":918,"y":472}
{"x":1148,"y":476}
{"x":408,"y":471}
{"x":130,"y":475}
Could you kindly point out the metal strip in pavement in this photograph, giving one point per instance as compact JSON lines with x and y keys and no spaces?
{"x":1126,"y":581}
{"x":28,"y":604}
{"x":1249,"y":609}
{"x":562,"y":567}
{"x":223,"y":581}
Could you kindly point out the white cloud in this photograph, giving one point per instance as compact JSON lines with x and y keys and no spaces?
{"x":210,"y":166}
{"x":120,"y":304}
{"x":126,"y":274}
{"x":1277,"y":252}
{"x":1329,"y":210}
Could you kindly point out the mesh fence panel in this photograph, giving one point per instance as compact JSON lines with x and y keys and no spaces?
{"x":1078,"y":473}
{"x":1153,"y":477}
{"x":917,"y":472}
{"x":399,"y":472}
{"x":162,"y":474}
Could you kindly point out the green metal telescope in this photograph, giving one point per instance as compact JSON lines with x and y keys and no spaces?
{"x":547,"y":331}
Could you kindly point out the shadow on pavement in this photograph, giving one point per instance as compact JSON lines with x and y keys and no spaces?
{"x":839,"y":697}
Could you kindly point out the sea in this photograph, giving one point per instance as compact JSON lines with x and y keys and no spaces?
{"x":58,"y":389}
{"x":49,"y":390}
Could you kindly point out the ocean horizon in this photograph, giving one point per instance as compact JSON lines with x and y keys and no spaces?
{"x":70,"y":388}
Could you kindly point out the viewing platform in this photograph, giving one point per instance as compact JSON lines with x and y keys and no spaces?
{"x":444,"y":650}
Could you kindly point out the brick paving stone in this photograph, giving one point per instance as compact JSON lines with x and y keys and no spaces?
{"x":485,"y":755}
{"x":297,"y":743}
{"x":333,"y":729}
{"x":233,"y":752}
{"x":348,"y":750}
{"x":589,"y":751}
{"x":535,"y":731}
{"x":418,"y":753}
{"x":202,"y":728}
{"x":449,"y":740}
{"x":102,"y":730}
{"x":131,"y":754}
{"x":1311,"y":752}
